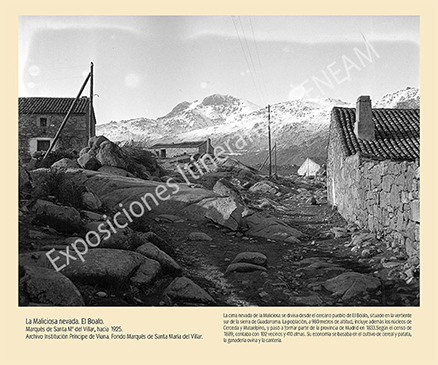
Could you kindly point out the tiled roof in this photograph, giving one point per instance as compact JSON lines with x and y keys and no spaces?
{"x":397,"y":133}
{"x":43,"y":105}
{"x":194,"y":144}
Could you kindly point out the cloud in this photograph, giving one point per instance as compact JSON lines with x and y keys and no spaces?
{"x":204,"y":85}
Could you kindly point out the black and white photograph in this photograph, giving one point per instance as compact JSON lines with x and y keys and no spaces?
{"x":219,"y":161}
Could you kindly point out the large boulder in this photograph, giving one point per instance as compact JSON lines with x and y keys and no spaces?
{"x":168,"y":264}
{"x":109,"y":154}
{"x":91,"y":201}
{"x":255,"y":258}
{"x":111,"y":170}
{"x":225,"y":211}
{"x":184,"y":291}
{"x":64,"y":164}
{"x":45,"y":286}
{"x":61,"y":218}
{"x":122,"y":239}
{"x":38,"y":176}
{"x":146,"y":274}
{"x":350,"y":284}
{"x":24,"y":182}
{"x":162,"y":244}
{"x":110,"y":267}
{"x":226,"y":188}
{"x":172,"y":198}
{"x":89,"y":162}
{"x":270,"y":227}
{"x":161,"y":198}
{"x":264,"y":187}
{"x":96,"y":141}
{"x":37,"y":258}
{"x":84,"y":151}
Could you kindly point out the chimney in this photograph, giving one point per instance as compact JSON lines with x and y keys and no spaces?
{"x":364,"y":126}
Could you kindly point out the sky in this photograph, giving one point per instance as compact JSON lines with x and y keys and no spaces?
{"x":146,"y":65}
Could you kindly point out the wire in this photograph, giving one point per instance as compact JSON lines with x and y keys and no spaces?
{"x":246,"y":59}
{"x":258,"y":57}
{"x":250,"y":56}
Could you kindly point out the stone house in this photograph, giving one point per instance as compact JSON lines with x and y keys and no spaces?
{"x":39,"y":119}
{"x":373,"y":170}
{"x":168,"y":150}
{"x":311,"y":166}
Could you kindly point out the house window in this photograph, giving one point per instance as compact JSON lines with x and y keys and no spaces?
{"x":43,"y":122}
{"x":43,"y":144}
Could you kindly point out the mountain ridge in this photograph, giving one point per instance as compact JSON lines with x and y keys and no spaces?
{"x":298,"y":127}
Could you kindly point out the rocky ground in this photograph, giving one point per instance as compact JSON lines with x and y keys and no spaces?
{"x":232,"y":238}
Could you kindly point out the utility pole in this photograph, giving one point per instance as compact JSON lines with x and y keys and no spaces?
{"x":275,"y":159}
{"x":90,"y":117}
{"x":269,"y":138}
{"x":70,"y":110}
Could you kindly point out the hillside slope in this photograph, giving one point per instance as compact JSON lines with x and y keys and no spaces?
{"x":298,"y":127}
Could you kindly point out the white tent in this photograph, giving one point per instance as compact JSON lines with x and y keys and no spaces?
{"x":310,"y":167}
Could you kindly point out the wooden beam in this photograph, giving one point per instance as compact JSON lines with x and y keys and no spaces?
{"x":61,"y":127}
{"x":90,"y":118}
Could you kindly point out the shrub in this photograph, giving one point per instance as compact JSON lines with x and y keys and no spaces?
{"x":56,"y":183}
{"x":138,"y":158}
{"x":53,"y":156}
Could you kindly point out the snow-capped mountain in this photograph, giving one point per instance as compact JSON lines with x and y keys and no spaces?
{"x":408,"y":98}
{"x":213,"y":110}
{"x":299,"y":127}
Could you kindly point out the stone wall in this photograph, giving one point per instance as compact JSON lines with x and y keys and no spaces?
{"x":382,"y":196}
{"x":74,"y":135}
{"x":173,"y":152}
{"x":389,"y":201}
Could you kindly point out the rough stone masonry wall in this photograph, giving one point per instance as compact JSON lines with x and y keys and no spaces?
{"x":342,"y":176}
{"x":345,"y":187}
{"x":74,"y":135}
{"x":389,"y":201}
{"x":382,"y":196}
